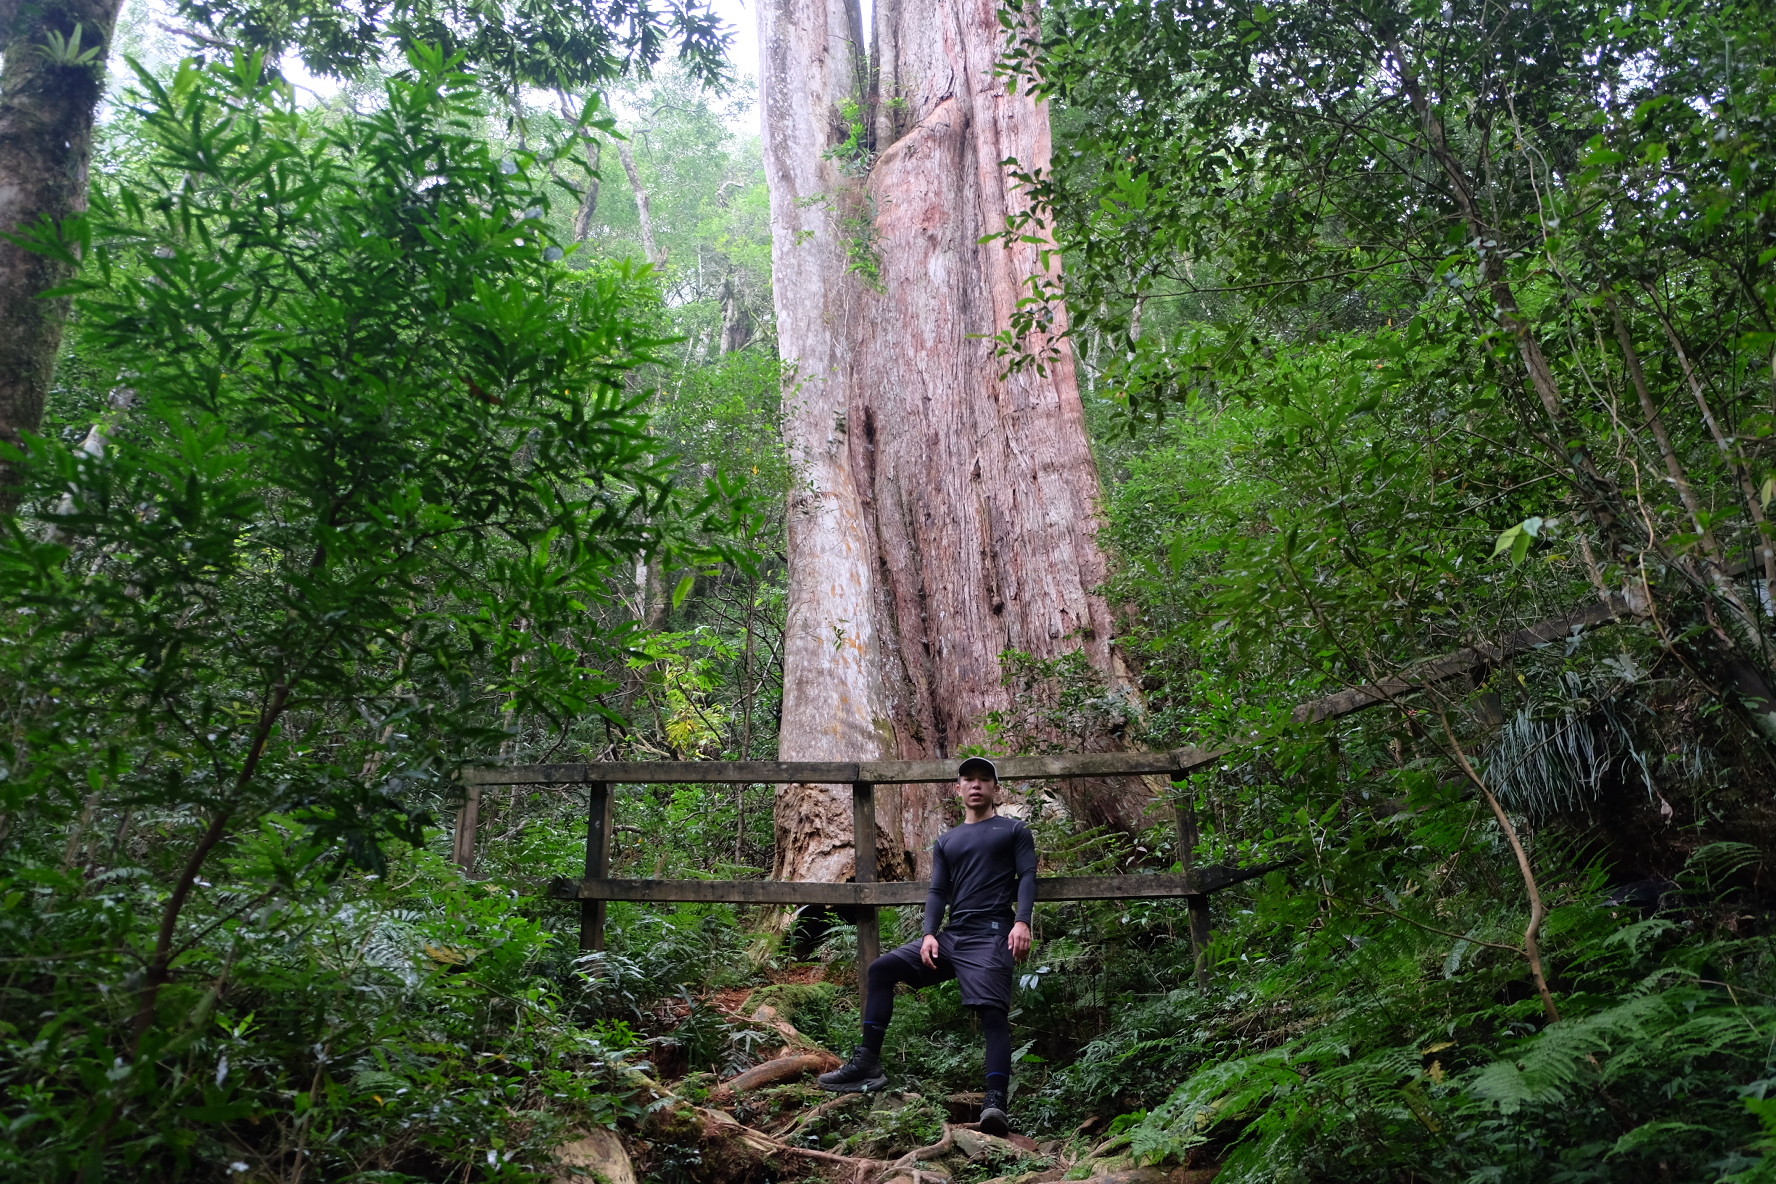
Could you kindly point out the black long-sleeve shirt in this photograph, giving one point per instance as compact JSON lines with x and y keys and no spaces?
{"x":977,"y":869}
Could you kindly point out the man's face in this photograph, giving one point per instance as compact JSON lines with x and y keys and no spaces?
{"x":976,"y":791}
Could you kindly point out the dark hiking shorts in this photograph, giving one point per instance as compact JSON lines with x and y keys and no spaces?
{"x":979,"y":961}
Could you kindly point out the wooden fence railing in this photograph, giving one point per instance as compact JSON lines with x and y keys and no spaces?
{"x":865,"y":894}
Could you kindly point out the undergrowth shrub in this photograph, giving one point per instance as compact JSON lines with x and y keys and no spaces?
{"x":360,"y":1024}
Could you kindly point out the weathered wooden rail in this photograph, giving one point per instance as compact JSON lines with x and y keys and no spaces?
{"x":865,"y":893}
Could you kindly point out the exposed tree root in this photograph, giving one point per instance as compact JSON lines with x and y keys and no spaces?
{"x":861,"y":1169}
{"x":799,"y":1121}
{"x":793,"y":1040}
{"x":906,"y":1167}
{"x":773,"y":1072}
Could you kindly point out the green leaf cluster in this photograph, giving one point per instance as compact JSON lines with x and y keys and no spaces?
{"x":368,"y":471}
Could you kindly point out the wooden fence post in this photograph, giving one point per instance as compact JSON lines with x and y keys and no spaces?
{"x":863,"y":842}
{"x":1184,"y":811}
{"x":468,"y":820}
{"x":598,"y":829}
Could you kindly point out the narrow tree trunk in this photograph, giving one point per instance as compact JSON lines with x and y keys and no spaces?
{"x":46,"y":125}
{"x":943,"y":511}
{"x":582,"y":223}
{"x":737,"y":324}
{"x":652,"y":604}
{"x":589,"y":203}
{"x":643,"y":205}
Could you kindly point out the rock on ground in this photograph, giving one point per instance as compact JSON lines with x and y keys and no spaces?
{"x":596,"y":1155}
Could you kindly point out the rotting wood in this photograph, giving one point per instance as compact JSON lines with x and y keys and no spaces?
{"x":1149,"y":886}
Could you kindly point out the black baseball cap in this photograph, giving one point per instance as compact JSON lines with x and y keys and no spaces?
{"x":980,"y":765}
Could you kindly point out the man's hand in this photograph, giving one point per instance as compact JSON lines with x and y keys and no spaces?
{"x":1019,"y":941}
{"x":928,"y":951}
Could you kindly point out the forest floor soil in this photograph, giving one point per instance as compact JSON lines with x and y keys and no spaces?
{"x":772,"y":1122}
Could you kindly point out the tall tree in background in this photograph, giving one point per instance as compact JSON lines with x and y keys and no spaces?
{"x":54,"y":55}
{"x":944,"y":511}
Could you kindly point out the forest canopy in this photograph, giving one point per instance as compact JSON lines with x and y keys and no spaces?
{"x":441,"y":420}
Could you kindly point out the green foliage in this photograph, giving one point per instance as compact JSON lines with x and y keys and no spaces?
{"x":1377,"y":307}
{"x":862,"y":258}
{"x":708,"y":201}
{"x":1629,"y":1091}
{"x":370,"y":475}
{"x":372,"y":491}
{"x":820,"y":1011}
{"x":1427,"y":343}
{"x":1343,"y":1040}
{"x":67,"y":52}
{"x":655,"y":953}
{"x":856,"y":152}
{"x":355,"y":1023}
{"x":1057,"y":704}
{"x":934,"y":1047}
{"x":523,"y":43}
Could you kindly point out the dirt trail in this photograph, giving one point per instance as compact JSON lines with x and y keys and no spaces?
{"x":772,"y":1123}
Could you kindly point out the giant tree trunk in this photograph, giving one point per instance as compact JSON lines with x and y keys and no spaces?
{"x":46,"y":125}
{"x":943,"y":511}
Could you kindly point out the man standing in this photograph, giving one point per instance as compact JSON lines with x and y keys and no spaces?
{"x":980,"y":870}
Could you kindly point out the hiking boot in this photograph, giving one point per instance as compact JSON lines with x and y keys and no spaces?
{"x":859,"y":1075}
{"x":993,"y":1118}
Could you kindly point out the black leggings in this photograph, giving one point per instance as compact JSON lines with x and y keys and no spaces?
{"x":889,"y":971}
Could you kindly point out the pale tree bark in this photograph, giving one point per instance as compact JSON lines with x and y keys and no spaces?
{"x":46,"y":127}
{"x":944,"y":511}
{"x":650,"y":577}
{"x":643,"y":205}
